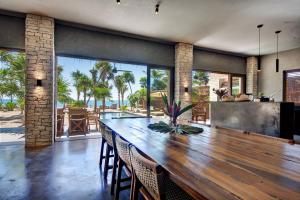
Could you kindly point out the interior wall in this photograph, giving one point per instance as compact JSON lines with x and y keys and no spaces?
{"x":270,"y":82}
{"x":12,"y":32}
{"x":219,"y":62}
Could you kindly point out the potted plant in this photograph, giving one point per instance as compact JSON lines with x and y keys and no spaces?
{"x":221,"y":92}
{"x":174,"y":111}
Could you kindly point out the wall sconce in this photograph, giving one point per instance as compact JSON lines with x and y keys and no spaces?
{"x":39,"y":82}
{"x":186,"y":89}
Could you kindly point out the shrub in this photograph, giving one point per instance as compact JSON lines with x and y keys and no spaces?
{"x":124,"y":108}
{"x":10,"y":106}
{"x":79,"y":104}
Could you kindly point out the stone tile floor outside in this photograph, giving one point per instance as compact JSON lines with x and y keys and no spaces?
{"x":65,"y":170}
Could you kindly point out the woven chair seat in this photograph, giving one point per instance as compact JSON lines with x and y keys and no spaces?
{"x":102,"y":130}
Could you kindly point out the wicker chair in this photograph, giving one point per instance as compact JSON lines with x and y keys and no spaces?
{"x":109,"y":149}
{"x":122,"y":149}
{"x":77,"y":121}
{"x":60,"y":122}
{"x":103,"y":142}
{"x":151,"y":180}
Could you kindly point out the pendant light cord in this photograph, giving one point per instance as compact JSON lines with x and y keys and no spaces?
{"x":259,"y":41}
{"x":277,"y":45}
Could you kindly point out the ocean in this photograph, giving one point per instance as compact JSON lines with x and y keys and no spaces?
{"x":90,"y":104}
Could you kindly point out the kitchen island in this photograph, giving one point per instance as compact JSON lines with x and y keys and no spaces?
{"x":274,"y":119}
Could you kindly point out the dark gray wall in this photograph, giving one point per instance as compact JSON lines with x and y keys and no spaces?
{"x":219,"y":62}
{"x":74,"y":41}
{"x":12,"y":32}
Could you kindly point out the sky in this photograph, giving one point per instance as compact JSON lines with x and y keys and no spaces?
{"x":83,"y":65}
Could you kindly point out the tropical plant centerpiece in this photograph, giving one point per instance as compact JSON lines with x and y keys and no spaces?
{"x":174,"y":111}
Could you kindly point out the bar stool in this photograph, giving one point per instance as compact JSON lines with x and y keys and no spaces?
{"x":103,"y":142}
{"x":109,"y":149}
{"x":151,"y":180}
{"x":122,"y":148}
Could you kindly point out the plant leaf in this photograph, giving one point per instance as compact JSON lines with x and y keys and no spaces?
{"x":185,"y":109}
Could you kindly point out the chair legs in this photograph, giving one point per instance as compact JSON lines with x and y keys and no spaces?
{"x":106,"y":162}
{"x":102,"y":152}
{"x":113,"y":177}
{"x":118,"y":181}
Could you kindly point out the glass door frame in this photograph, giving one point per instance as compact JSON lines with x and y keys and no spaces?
{"x":243,"y":86}
{"x":284,"y":79}
{"x":172,"y":85}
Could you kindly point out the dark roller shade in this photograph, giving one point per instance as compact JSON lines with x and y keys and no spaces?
{"x":82,"y":42}
{"x":12,"y":32}
{"x":219,"y":62}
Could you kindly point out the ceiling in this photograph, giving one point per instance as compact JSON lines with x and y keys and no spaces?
{"x":228,"y":25}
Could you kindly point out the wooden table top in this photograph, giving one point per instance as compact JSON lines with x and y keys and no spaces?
{"x":219,"y":163}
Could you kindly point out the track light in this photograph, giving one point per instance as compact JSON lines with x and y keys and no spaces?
{"x":156,"y":8}
{"x":118,"y":2}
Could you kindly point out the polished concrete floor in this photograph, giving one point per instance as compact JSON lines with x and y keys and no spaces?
{"x":65,"y":170}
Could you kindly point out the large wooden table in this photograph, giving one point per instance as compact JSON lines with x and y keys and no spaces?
{"x":219,"y":163}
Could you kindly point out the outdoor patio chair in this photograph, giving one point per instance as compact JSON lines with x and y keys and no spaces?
{"x":151,"y":181}
{"x":199,"y":110}
{"x":92,"y":119}
{"x":77,"y":121}
{"x":60,"y":122}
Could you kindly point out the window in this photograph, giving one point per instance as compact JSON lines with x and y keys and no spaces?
{"x":292,"y":86}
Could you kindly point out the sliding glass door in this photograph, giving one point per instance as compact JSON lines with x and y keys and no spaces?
{"x":160,"y":83}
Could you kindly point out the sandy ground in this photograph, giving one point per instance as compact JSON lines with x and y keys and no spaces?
{"x":11,"y":126}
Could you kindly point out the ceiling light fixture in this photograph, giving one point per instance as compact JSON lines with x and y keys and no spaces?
{"x":156,"y":8}
{"x":258,"y":59}
{"x":118,"y":2}
{"x":277,"y":59}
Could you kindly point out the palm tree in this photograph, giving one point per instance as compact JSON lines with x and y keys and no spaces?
{"x":129,"y":78}
{"x":119,"y":84}
{"x":63,"y":91}
{"x":94,"y":73}
{"x":85,"y":85}
{"x":76,"y":78}
{"x":102,"y":93}
{"x":106,"y":71}
{"x":143,"y":82}
{"x":124,"y":88}
{"x":200,"y":78}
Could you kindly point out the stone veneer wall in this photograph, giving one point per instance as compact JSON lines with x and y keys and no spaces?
{"x":251,"y":79}
{"x":183,"y":75}
{"x":39,"y":102}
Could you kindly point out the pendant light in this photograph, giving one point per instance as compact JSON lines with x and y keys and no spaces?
{"x":258,"y":59}
{"x":118,"y":2}
{"x":277,"y":59}
{"x":157,"y":8}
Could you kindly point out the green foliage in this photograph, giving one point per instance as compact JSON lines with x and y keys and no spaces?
{"x":124,"y":108}
{"x":129,"y":79}
{"x":10,"y":106}
{"x":63,"y":90}
{"x":143,"y":82}
{"x":12,"y":75}
{"x":77,"y":104}
{"x":102,"y":93}
{"x":163,"y":127}
{"x":159,"y":80}
{"x":21,"y":103}
{"x":200,"y":78}
{"x":133,"y":100}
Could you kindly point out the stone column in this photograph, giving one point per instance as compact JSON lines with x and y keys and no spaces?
{"x":183,"y":75}
{"x":39,"y":100}
{"x":251,"y":79}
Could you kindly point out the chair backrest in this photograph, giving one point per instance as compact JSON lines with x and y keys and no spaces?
{"x":123,"y":149}
{"x":102,"y":130}
{"x":75,"y":113}
{"x":109,"y":136}
{"x":60,"y":111}
{"x":148,"y":172}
